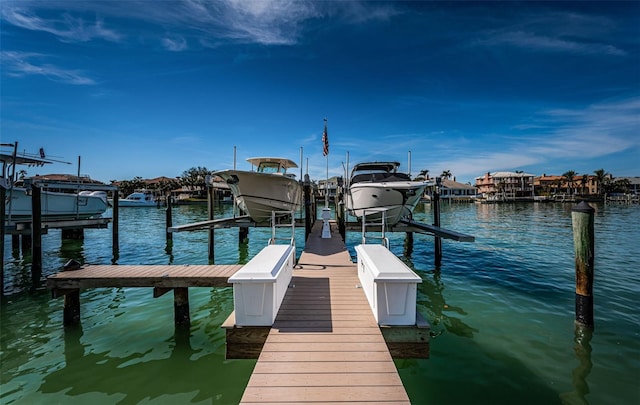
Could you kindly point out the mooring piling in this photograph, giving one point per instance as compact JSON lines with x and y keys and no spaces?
{"x":36,"y":237}
{"x":582,"y":218}
{"x":436,"y":222}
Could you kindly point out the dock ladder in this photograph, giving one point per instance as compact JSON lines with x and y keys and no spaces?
{"x":277,"y":224}
{"x":381,"y":222}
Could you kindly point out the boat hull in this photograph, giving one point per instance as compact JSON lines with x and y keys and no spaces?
{"x":258,"y":194}
{"x":54,"y":205}
{"x":398,"y":199}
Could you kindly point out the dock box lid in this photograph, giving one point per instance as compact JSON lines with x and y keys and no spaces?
{"x":264,"y":266}
{"x":385,"y":266}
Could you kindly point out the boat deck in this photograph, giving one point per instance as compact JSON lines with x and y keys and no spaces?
{"x":325,"y":345}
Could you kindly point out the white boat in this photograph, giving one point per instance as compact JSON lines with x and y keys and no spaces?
{"x":138,"y":199}
{"x":269,"y":188}
{"x":55,"y":205}
{"x":377,"y":186}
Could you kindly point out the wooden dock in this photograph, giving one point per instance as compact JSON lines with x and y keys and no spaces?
{"x":163,"y":278}
{"x":325,"y":345}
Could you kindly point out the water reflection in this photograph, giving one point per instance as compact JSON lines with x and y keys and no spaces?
{"x":437,"y":308}
{"x":176,"y":373}
{"x":582,"y":348}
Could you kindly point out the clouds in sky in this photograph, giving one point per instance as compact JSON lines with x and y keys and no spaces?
{"x":22,"y":64}
{"x":475,"y":85}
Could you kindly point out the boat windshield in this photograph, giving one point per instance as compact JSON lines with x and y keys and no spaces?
{"x":270,"y":167}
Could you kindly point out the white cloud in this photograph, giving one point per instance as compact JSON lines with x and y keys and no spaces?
{"x":67,"y":28}
{"x":533,"y":41}
{"x":176,"y":43}
{"x":21,"y":64}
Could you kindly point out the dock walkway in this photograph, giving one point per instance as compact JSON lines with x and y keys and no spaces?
{"x":325,"y":345}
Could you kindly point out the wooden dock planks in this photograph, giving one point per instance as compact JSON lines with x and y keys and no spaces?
{"x":325,"y":345}
{"x":165,"y":276}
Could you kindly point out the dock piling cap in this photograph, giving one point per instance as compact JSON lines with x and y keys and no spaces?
{"x":583,"y":206}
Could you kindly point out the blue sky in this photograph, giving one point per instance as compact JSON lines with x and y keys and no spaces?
{"x":153,"y":88}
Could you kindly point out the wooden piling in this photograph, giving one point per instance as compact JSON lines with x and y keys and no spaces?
{"x":15,"y":242}
{"x":582,"y":218}
{"x":210,"y":211}
{"x":408,"y":244}
{"x":71,"y":308}
{"x":181,"y":307}
{"x":243,"y":235}
{"x":36,"y":237}
{"x":115,"y":247}
{"x":436,"y":222}
{"x":308,"y":220}
{"x":168,"y":219}
{"x":3,"y":192}
{"x":73,"y":233}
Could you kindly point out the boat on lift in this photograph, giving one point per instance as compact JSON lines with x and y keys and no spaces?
{"x":269,"y":188}
{"x":75,"y":204}
{"x":379,"y":186}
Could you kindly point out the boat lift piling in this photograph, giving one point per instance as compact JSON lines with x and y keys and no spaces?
{"x":36,"y":237}
{"x":437,"y":242}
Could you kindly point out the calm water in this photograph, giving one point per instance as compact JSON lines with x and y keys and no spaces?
{"x":501,"y":310}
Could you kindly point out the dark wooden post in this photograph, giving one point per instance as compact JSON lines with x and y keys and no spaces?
{"x":181,"y":307}
{"x":36,"y":237}
{"x":3,"y":192}
{"x":211,"y":199}
{"x":583,"y":243}
{"x":408,"y":244}
{"x":243,"y":235}
{"x":307,"y":206}
{"x":15,"y":242}
{"x":73,"y":234}
{"x":115,"y":246}
{"x":436,"y":222}
{"x":168,"y":219}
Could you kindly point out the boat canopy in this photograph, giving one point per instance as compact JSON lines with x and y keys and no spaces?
{"x":388,"y":167}
{"x":272,"y":164}
{"x":374,"y":172}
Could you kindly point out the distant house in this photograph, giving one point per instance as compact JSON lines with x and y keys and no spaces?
{"x":505,"y":185}
{"x":554,"y":185}
{"x":65,"y":178}
{"x":452,"y":190}
{"x":330,"y":186}
{"x":634,"y":184}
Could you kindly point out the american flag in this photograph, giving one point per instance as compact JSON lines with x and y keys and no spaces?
{"x":325,"y":140}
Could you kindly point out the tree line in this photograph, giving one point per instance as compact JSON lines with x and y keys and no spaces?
{"x":193,"y":179}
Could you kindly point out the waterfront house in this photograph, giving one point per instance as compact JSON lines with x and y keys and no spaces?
{"x":582,"y":184}
{"x":505,"y":185}
{"x":455,"y":191}
{"x":330,"y":186}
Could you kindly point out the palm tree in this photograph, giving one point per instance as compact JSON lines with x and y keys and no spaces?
{"x":446,"y":174}
{"x":424,"y":173}
{"x":601,"y":177}
{"x":568,"y":177}
{"x":583,"y":183}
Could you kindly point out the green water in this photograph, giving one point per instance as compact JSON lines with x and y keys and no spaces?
{"x":501,"y":309}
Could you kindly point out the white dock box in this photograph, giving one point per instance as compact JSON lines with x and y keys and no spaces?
{"x":260,"y":285}
{"x":389,"y":284}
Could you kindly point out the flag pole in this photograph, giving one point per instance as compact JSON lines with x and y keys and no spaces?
{"x":326,"y":213}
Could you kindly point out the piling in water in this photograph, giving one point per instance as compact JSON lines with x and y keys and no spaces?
{"x":436,"y":222}
{"x":583,"y":242}
{"x":36,"y":237}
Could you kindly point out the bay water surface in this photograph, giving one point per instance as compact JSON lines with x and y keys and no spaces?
{"x":501,"y":311}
